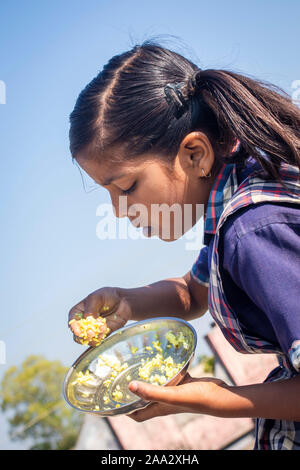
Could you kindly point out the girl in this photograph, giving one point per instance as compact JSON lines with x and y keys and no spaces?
{"x":158,"y":129}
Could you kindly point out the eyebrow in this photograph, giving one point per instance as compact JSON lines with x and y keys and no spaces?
{"x":112,"y":178}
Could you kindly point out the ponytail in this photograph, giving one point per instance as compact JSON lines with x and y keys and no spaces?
{"x":264,"y":120}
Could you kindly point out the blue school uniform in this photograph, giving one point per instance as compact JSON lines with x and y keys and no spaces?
{"x":250,"y":263}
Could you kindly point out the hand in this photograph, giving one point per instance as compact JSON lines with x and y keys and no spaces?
{"x":192,"y":395}
{"x":105,"y":302}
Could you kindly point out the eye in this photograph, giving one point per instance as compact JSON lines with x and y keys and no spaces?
{"x":129,"y":190}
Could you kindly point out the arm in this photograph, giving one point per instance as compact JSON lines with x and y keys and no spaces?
{"x":272,"y":400}
{"x":179,"y":297}
{"x":183,"y":297}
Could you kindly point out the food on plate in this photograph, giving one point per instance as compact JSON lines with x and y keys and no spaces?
{"x":166,"y":366}
{"x":178,"y":340}
{"x":153,"y":364}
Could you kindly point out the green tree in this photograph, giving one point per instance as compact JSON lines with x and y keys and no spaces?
{"x":208,"y":363}
{"x":31,"y":396}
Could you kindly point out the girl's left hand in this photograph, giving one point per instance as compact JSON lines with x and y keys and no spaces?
{"x":192,"y":395}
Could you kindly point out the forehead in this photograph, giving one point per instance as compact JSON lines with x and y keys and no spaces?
{"x":108,"y":167}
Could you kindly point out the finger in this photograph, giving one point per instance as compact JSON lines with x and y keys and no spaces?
{"x":150,"y":411}
{"x":76,"y":328}
{"x":118,"y":318}
{"x":186,"y":379}
{"x":178,"y":395}
{"x":76,"y":312}
{"x":155,"y":409}
{"x":76,"y":339}
{"x":74,"y":315}
{"x":92,"y":305}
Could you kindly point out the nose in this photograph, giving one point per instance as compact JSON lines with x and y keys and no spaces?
{"x":135,"y":225}
{"x":120,"y":207}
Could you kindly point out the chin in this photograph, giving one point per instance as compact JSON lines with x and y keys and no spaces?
{"x":158,"y":233}
{"x":170,"y":239}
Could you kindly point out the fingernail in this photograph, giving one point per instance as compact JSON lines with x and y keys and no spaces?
{"x":133,"y":386}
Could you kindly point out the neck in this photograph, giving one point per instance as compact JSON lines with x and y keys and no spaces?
{"x":210,"y":181}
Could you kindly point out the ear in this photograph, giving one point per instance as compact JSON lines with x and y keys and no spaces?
{"x":196,"y":155}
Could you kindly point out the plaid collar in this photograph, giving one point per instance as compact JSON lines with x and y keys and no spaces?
{"x":226,"y":183}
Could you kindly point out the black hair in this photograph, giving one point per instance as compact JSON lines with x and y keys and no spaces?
{"x":125,"y":106}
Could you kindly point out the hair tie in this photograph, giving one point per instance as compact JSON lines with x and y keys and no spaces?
{"x":174,"y":96}
{"x":193,"y":82}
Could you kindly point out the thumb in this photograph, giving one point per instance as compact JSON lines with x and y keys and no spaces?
{"x":169,"y":394}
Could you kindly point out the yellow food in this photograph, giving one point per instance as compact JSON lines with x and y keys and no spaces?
{"x":82,"y":378}
{"x":117,"y":395}
{"x":106,"y":399}
{"x":177,"y":341}
{"x":106,"y":383}
{"x":157,"y":346}
{"x":166,"y":366}
{"x":157,"y":379}
{"x":90,"y":329}
{"x":113,"y":364}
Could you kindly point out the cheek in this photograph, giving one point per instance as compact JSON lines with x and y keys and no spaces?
{"x":162,"y":192}
{"x":176,"y":193}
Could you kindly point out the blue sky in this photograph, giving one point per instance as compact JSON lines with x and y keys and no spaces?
{"x":51,"y":257}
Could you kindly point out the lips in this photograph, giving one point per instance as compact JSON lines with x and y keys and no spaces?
{"x":147,"y":231}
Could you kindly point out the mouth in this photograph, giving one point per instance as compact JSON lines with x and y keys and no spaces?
{"x":148,"y":231}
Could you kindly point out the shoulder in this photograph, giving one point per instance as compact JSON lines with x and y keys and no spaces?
{"x":259,"y":228}
{"x":257,"y":216}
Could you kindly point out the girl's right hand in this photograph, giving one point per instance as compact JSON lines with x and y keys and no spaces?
{"x":105,"y":302}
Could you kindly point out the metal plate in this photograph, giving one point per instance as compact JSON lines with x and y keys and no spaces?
{"x":126,"y":345}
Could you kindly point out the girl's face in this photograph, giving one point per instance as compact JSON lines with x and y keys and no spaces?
{"x":166,"y":201}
